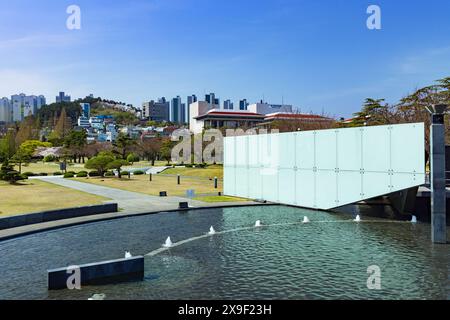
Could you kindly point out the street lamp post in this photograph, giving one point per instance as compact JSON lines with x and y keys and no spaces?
{"x":438,"y":187}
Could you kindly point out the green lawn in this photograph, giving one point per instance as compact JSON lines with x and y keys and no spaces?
{"x":35,"y":196}
{"x":160,"y":183}
{"x":146,"y":164}
{"x":208,"y":172}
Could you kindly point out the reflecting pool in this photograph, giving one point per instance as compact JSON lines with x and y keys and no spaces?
{"x":283,"y":258}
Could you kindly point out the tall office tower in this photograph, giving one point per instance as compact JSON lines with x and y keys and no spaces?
{"x":228,"y":105}
{"x":211,"y":99}
{"x":5,"y":110}
{"x":62,"y":97}
{"x":190,"y":100}
{"x":183,"y":114}
{"x":175,"y":110}
{"x":243,"y":104}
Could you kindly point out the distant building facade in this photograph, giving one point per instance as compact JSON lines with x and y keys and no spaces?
{"x":156,"y":110}
{"x":61,"y":97}
{"x":23,"y":106}
{"x":190,"y":100}
{"x":228,"y":105}
{"x":175,"y":110}
{"x":243,"y":104}
{"x":266,"y":108}
{"x":211,"y":99}
{"x":5,"y":110}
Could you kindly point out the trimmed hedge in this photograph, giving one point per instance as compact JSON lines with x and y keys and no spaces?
{"x":109,"y":174}
{"x":94,"y":174}
{"x":138,"y":173}
{"x":69,"y":175}
{"x":82,"y":174}
{"x":57,"y":173}
{"x":29,"y":174}
{"x":124,"y":173}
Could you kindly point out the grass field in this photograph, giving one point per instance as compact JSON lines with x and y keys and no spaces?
{"x":160,"y":183}
{"x":208,"y":172}
{"x":35,"y":196}
{"x":49,"y":167}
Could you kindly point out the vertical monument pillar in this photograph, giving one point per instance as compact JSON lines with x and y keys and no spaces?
{"x":437,"y":161}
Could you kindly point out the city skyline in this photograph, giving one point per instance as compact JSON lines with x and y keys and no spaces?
{"x":131,"y":52}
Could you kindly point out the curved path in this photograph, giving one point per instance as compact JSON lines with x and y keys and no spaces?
{"x":128,"y":201}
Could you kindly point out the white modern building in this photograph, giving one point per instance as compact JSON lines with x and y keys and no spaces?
{"x":266,"y":108}
{"x":204,"y":115}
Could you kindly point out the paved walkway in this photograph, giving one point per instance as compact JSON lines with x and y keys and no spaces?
{"x":128,"y":201}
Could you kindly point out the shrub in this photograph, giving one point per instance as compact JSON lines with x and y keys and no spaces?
{"x":132,"y":157}
{"x":124,"y":173}
{"x":94,"y":174}
{"x":57,"y":173}
{"x":69,"y":175}
{"x":189,"y":165}
{"x":49,"y":158}
{"x":82,"y":174}
{"x":109,"y":174}
{"x":23,"y":176}
{"x":138,"y":173}
{"x":7,"y":173}
{"x":72,"y":172}
{"x":43,"y":174}
{"x":29,"y":174}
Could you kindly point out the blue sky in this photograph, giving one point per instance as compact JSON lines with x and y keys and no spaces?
{"x":316,"y":54}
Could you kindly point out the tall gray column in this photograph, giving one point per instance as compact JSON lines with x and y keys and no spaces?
{"x":438,"y":190}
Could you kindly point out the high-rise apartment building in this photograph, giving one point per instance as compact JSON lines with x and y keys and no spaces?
{"x":5,"y":110}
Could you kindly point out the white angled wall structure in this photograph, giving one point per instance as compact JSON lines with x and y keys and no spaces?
{"x":325,"y":169}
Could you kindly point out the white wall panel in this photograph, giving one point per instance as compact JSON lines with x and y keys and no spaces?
{"x":327,"y":168}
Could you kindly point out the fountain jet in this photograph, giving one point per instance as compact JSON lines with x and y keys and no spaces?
{"x":358,"y":218}
{"x":96,"y":296}
{"x":306,"y":220}
{"x":258,"y":224}
{"x":414,"y":219}
{"x":168,"y":243}
{"x":211,"y":231}
{"x":128,"y":255}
